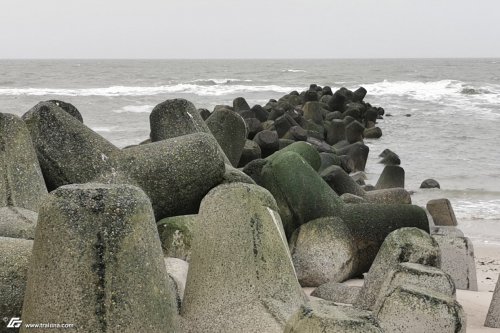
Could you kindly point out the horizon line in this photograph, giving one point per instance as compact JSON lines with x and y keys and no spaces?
{"x":333,"y":58}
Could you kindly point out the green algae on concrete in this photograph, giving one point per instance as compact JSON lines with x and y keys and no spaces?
{"x":98,"y":264}
{"x":241,"y":277}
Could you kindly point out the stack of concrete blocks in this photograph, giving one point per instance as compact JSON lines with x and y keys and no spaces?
{"x":404,"y":291}
{"x":457,"y":251}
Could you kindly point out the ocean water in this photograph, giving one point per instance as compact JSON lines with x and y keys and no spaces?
{"x":452,"y":134}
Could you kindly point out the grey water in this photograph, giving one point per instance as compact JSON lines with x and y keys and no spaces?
{"x":444,"y":123}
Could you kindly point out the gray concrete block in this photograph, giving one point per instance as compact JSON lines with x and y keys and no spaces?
{"x":457,"y":259}
{"x":442,"y":213}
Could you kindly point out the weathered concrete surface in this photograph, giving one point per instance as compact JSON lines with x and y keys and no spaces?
{"x":173,"y":118}
{"x":97,"y":263}
{"x":493,"y":316}
{"x":300,"y":192}
{"x":17,"y":222}
{"x":442,"y":212}
{"x":425,"y":277}
{"x":326,"y":317}
{"x":176,"y":235}
{"x":175,"y":173}
{"x":21,"y":180}
{"x":457,"y":259}
{"x":337,"y":292}
{"x":403,"y":245}
{"x":241,"y":277}
{"x":229,"y":130}
{"x":411,"y":309}
{"x":323,"y":250}
{"x":15,"y":255}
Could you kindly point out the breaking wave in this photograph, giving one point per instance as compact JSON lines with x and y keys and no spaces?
{"x":182,"y":88}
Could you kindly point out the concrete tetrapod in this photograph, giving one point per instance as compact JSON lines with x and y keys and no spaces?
{"x":403,"y":245}
{"x":15,"y":255}
{"x":174,"y":173}
{"x":241,"y":277}
{"x":98,"y":264}
{"x":21,"y":180}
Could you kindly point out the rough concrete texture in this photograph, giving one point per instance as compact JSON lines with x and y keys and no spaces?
{"x":337,"y":292}
{"x":175,"y":173}
{"x":173,"y":118}
{"x":392,"y":176}
{"x":457,"y":259}
{"x":301,"y":194}
{"x":69,"y":152}
{"x":177,"y":270}
{"x":97,"y":263}
{"x":349,"y":198}
{"x":447,"y":231}
{"x":229,"y":129}
{"x":233,"y":175}
{"x":241,"y":277}
{"x":176,"y":236}
{"x":426,"y":277}
{"x":342,"y":183}
{"x":327,"y":317}
{"x":493,"y":316}
{"x":370,"y":224}
{"x":69,"y":108}
{"x":17,"y":222}
{"x":389,"y":196}
{"x":305,"y":150}
{"x":21,"y":180}
{"x":442,"y":213}
{"x":322,"y":250}
{"x":15,"y":255}
{"x":403,"y":245}
{"x":411,"y":309}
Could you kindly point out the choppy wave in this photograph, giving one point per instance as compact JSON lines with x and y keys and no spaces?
{"x":182,"y":88}
{"x":213,"y":82}
{"x":135,"y":109}
{"x":434,"y":90}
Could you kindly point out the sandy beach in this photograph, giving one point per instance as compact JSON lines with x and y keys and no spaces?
{"x":475,"y":303}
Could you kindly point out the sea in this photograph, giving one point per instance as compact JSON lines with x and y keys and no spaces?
{"x":442,"y":115}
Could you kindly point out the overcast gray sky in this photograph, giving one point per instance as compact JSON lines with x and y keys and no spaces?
{"x":249,"y":29}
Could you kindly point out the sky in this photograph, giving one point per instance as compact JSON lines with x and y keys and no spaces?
{"x":249,"y":29}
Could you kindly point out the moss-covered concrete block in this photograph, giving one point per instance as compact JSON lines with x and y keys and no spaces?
{"x":15,"y":256}
{"x":426,"y":277}
{"x":21,"y":181}
{"x":301,"y":194}
{"x":403,"y":245}
{"x":176,"y":235}
{"x":412,"y":309}
{"x":97,"y":263}
{"x":241,"y":277}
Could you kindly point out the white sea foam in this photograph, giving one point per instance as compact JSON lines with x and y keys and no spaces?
{"x":182,"y":88}
{"x":434,"y":90}
{"x":135,"y":109}
{"x":294,"y":70}
{"x":104,"y":129}
{"x":218,"y":81}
